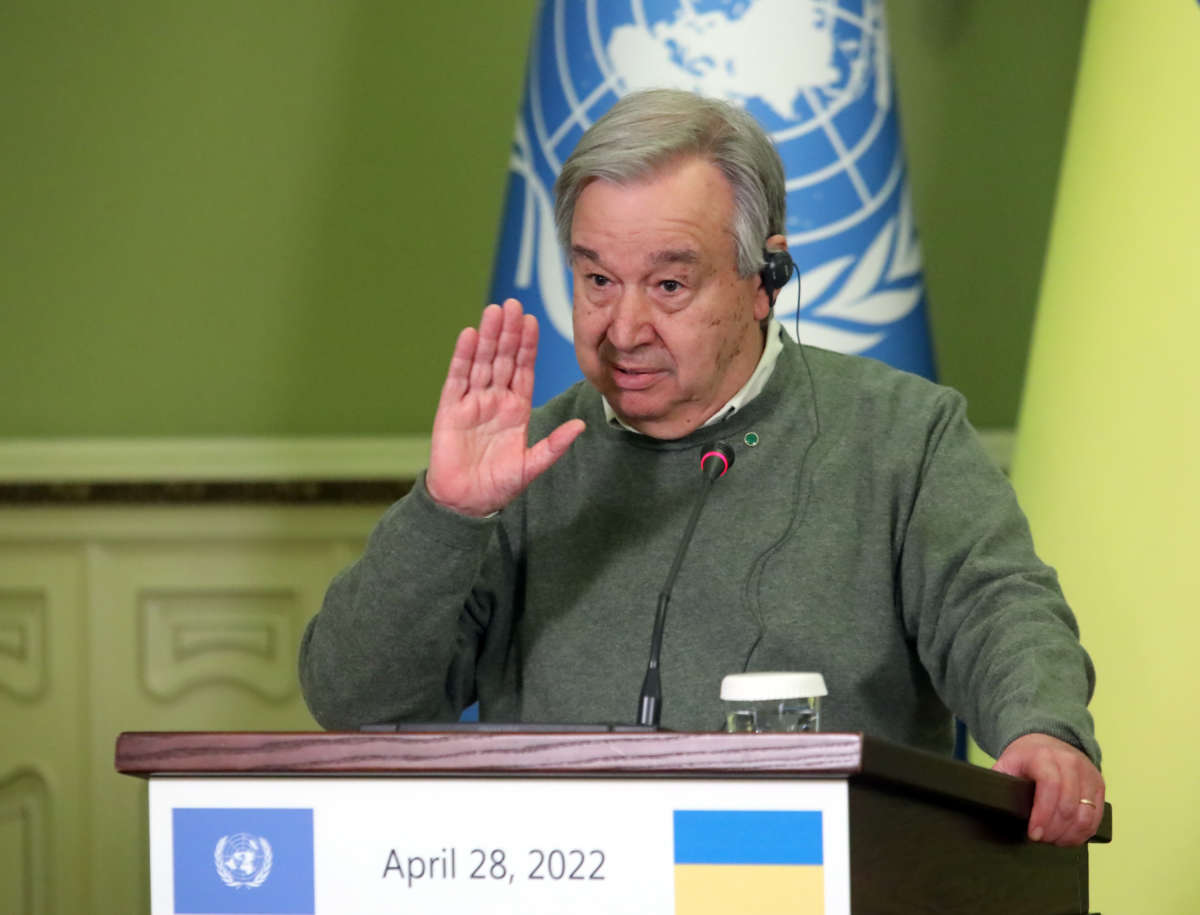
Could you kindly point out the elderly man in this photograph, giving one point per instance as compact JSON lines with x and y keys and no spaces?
{"x":863,"y":532}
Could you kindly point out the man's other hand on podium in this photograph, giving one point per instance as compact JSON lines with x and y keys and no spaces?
{"x":1069,"y":799}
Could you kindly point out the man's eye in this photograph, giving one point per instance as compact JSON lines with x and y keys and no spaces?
{"x":599,"y":279}
{"x":670,"y":285}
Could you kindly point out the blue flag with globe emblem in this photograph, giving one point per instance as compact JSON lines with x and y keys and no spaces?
{"x":817,"y":76}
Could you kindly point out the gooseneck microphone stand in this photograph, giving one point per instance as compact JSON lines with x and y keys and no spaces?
{"x":715,"y":462}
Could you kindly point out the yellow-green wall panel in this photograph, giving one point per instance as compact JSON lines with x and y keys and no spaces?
{"x":245,"y":218}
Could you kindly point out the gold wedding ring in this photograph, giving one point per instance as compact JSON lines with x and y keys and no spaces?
{"x":1087,"y":802}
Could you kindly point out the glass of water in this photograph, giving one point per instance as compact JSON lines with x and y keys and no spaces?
{"x":772,"y":701}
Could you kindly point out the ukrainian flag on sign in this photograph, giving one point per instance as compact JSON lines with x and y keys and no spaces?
{"x":754,"y":862}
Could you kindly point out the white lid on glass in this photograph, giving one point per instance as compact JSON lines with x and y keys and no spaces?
{"x":754,"y":687}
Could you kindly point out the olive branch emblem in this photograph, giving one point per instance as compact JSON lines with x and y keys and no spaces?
{"x":226,"y":873}
{"x":892,"y":258}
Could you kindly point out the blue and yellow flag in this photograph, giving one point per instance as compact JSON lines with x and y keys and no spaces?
{"x":816,"y":74}
{"x":753,"y":862}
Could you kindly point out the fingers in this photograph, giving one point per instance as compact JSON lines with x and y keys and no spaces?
{"x":1063,"y":776}
{"x":459,"y":373}
{"x":1088,"y":817}
{"x":504,"y":363}
{"x":1067,"y":820}
{"x":522,"y":381}
{"x":539,"y":458}
{"x":1064,"y":814}
{"x":1055,"y":789}
{"x":1080,"y":820}
{"x":485,"y":350}
{"x":499,"y":354}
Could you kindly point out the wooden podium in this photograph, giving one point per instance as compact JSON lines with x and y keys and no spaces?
{"x":904,"y":831}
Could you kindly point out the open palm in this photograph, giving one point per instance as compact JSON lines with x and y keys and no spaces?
{"x":479,"y":461}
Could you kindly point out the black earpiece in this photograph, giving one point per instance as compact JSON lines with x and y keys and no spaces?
{"x":776,"y":271}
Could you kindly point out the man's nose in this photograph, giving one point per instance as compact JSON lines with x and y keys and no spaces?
{"x":630,"y":325}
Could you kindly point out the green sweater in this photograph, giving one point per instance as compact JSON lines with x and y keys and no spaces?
{"x":866,"y":536}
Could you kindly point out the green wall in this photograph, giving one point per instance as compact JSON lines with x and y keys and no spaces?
{"x":270,"y":218}
{"x":985,"y":92}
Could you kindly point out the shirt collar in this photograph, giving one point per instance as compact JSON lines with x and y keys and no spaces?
{"x":751,"y":389}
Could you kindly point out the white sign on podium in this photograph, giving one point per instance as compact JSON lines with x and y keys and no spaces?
{"x":360,"y":846}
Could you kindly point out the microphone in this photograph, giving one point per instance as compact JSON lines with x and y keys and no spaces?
{"x":714,"y":464}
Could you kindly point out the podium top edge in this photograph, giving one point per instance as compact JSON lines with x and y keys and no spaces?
{"x":509,"y":752}
{"x":858,"y":758}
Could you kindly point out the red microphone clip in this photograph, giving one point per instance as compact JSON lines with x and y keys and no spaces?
{"x":724,"y":460}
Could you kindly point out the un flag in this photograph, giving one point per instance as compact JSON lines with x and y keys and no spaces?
{"x":243,"y":861}
{"x":816,"y":75}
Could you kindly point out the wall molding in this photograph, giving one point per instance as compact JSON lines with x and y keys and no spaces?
{"x":249,"y":460}
{"x":167,"y":460}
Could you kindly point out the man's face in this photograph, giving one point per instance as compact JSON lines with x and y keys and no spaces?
{"x":665,"y":328}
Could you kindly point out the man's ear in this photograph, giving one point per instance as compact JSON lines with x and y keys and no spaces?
{"x":764,"y":300}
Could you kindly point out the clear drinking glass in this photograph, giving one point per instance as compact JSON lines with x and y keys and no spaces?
{"x":772,"y":701}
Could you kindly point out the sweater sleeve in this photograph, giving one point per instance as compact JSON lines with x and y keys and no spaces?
{"x":989,"y":620}
{"x":397,"y":635}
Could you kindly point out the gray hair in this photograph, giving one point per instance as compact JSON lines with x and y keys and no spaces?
{"x":646,"y":131}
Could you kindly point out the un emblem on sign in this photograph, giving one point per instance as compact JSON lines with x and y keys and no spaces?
{"x":815,"y":73}
{"x":243,"y":860}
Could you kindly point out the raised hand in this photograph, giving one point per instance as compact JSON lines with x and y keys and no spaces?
{"x":479,"y":461}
